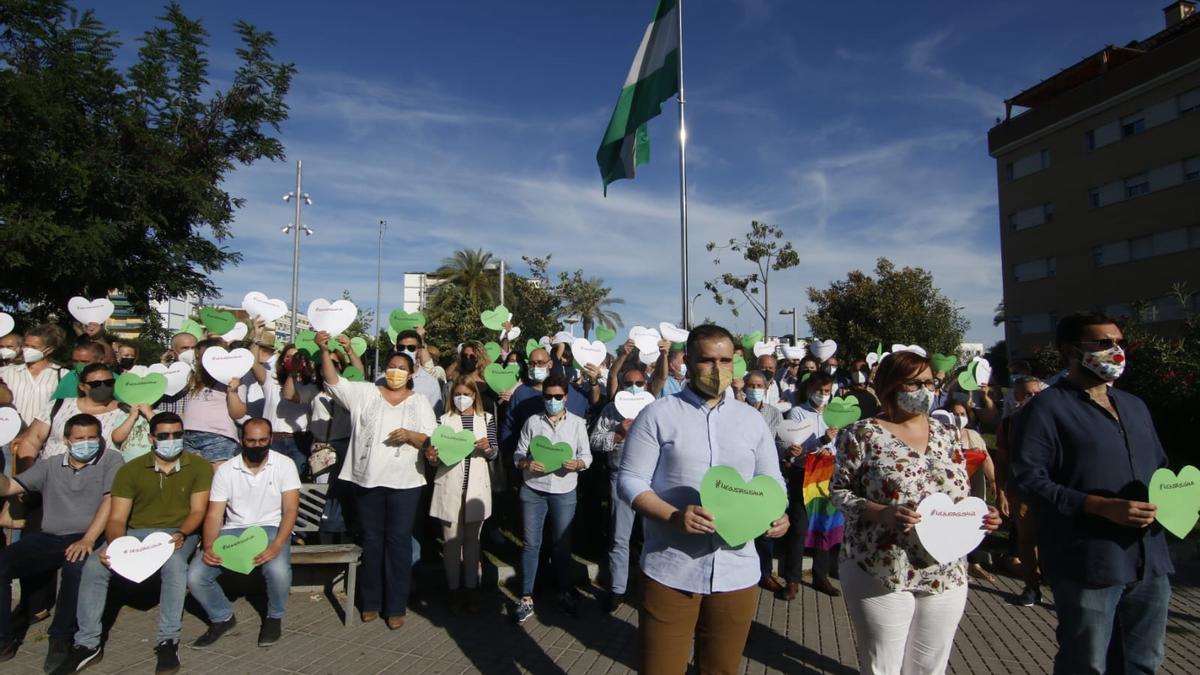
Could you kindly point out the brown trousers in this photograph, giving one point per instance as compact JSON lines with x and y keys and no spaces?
{"x":1026,"y":544}
{"x":718,"y":623}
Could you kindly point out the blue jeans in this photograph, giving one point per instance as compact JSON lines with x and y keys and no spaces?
{"x":202,"y":581}
{"x":93,"y":592}
{"x":622,"y":528}
{"x":35,"y":554}
{"x":210,"y":446}
{"x":534,"y":506}
{"x":287,"y":445}
{"x":1111,"y":629}
{"x":387,"y":516}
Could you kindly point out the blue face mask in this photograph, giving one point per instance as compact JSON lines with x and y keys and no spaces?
{"x":169,"y":449}
{"x":84,"y":451}
{"x":554,"y":406}
{"x":755,"y":396}
{"x":635,"y":389}
{"x":539,"y":374}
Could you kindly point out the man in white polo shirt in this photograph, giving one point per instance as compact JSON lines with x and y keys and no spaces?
{"x":259,"y":487}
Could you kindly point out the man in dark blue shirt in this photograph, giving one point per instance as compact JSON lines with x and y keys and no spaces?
{"x":1083,"y":454}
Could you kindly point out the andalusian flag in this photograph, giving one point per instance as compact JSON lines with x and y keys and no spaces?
{"x":653,"y":78}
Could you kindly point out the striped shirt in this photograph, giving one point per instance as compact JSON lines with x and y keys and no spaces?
{"x":468,"y":424}
{"x":30,"y":394}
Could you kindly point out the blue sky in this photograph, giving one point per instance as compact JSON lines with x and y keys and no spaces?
{"x":859,"y":128}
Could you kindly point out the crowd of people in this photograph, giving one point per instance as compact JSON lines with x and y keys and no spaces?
{"x":1069,"y":472}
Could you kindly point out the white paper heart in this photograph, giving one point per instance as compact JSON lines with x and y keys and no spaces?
{"x":225,"y":366}
{"x":511,"y":334}
{"x":177,"y":375}
{"x":629,"y":405}
{"x":668,"y":331}
{"x":765,"y":348}
{"x":648,"y":356}
{"x":642,"y":330}
{"x":544,"y":341}
{"x":794,"y":353}
{"x":647,"y":345}
{"x":562,"y":337}
{"x":949,"y":531}
{"x":822,"y":349}
{"x":140,"y":371}
{"x":916,"y":349}
{"x":259,"y":306}
{"x":983,"y":370}
{"x":90,"y":311}
{"x":588,"y":353}
{"x":236,"y":333}
{"x":254,"y":393}
{"x":137,"y":559}
{"x":6,"y":324}
{"x":10,"y":425}
{"x":333,"y":318}
{"x":793,"y":431}
{"x":872,"y":359}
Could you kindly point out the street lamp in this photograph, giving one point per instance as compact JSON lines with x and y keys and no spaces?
{"x":499,"y":266}
{"x":692,"y":310}
{"x":791,"y":311}
{"x":300,"y":198}
{"x":378,"y":293}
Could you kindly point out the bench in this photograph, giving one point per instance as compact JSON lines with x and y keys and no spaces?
{"x":312,"y":505}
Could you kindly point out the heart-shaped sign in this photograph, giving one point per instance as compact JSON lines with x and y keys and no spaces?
{"x":510,"y":334}
{"x":550,"y":455}
{"x":841,"y":412}
{"x":629,"y":405}
{"x":176,"y":373}
{"x":495,"y":318}
{"x":562,"y":337}
{"x":750,"y":339}
{"x":90,"y":311}
{"x":604,"y":334}
{"x":982,"y":370}
{"x":224,"y":366}
{"x":545,"y":342}
{"x":259,"y":306}
{"x":134,"y":390}
{"x":589,"y":353}
{"x":452,"y":446}
{"x":217,"y":321}
{"x":68,"y":386}
{"x":401,"y":321}
{"x":872,"y":359}
{"x":637,"y":331}
{"x":306,"y":341}
{"x":192,"y":328}
{"x":670,"y":332}
{"x":493,"y":351}
{"x":739,"y":366}
{"x":1177,"y":499}
{"x":501,"y":378}
{"x":238,"y":553}
{"x":137,"y":559}
{"x":332,"y":317}
{"x":794,"y":352}
{"x":10,"y":425}
{"x":943,"y":363}
{"x":765,"y":348}
{"x":966,"y":379}
{"x":6,"y":324}
{"x":531,"y":346}
{"x":794,"y":432}
{"x":358,"y":345}
{"x":353,"y":374}
{"x":916,"y":349}
{"x":822,"y":349}
{"x":741,"y":511}
{"x":949,"y":531}
{"x":238,"y":332}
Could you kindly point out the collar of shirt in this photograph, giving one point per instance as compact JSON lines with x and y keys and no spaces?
{"x":180,"y":462}
{"x":91,"y":462}
{"x":239,"y":463}
{"x":696,"y":400}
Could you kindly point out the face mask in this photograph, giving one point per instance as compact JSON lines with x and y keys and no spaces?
{"x":961,"y":420}
{"x":818,"y":400}
{"x":84,"y":451}
{"x":915,"y":402}
{"x":100,"y":394}
{"x":829,"y":370}
{"x":755,"y":396}
{"x":32,"y":355}
{"x":554,"y":406}
{"x":395,"y":378}
{"x":463,"y":402}
{"x":467,"y":364}
{"x":539,"y":373}
{"x":169,"y":449}
{"x":635,"y":389}
{"x":188,"y":357}
{"x":713,"y":383}
{"x":255,"y":455}
{"x":682,"y":370}
{"x":858,"y":377}
{"x":770,"y":374}
{"x":8,"y":353}
{"x":126,"y":364}
{"x":1106,"y":365}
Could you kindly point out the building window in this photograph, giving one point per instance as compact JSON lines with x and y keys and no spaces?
{"x":1189,"y":101}
{"x":1111,"y":254}
{"x":1138,"y":185}
{"x":1031,"y":217}
{"x":1032,"y":324}
{"x":1031,"y":163}
{"x":1191,"y":168}
{"x":1034,"y":269}
{"x":1148,"y":246}
{"x":1133,"y":125}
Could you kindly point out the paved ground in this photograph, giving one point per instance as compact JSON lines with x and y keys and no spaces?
{"x":809,"y":635}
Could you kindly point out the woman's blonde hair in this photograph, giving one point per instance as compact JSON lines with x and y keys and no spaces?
{"x":467,"y":381}
{"x":200,"y":378}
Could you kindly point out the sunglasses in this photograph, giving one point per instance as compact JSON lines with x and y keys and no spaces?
{"x":101,"y":383}
{"x":556,"y":397}
{"x":634,"y":383}
{"x":168,"y":435}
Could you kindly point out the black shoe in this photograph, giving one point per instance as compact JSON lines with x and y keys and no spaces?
{"x":79,"y":658}
{"x":271,"y":631}
{"x":9,"y":649}
{"x":613,"y":602}
{"x":168,"y":656}
{"x":214,"y":632}
{"x":1028,"y":597}
{"x":568,"y":604}
{"x":56,"y":654}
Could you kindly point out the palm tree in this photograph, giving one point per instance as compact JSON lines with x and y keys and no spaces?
{"x":472,"y":271}
{"x":589,"y":300}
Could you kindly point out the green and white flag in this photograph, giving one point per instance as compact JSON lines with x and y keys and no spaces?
{"x":653,"y":78}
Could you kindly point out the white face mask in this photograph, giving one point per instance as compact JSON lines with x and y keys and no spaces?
{"x":32,"y":355}
{"x":682,"y":371}
{"x":8,"y":353}
{"x":961,"y":420}
{"x":463,"y":402}
{"x":188,"y":357}
{"x":818,"y":400}
{"x":539,"y":374}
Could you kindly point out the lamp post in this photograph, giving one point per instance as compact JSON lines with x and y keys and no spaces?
{"x":691,"y":313}
{"x":301,"y":198}
{"x":791,"y":311}
{"x":378,"y":294}
{"x":499,"y":267}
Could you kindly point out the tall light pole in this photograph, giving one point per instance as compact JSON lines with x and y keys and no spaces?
{"x":378,"y":293}
{"x":499,"y":267}
{"x":791,"y":311}
{"x":691,"y":311}
{"x":300,"y":198}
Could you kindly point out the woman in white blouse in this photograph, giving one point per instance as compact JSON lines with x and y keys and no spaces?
{"x":462,"y":492}
{"x":390,"y":426}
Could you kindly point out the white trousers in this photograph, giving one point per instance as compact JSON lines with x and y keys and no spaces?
{"x":900,"y":633}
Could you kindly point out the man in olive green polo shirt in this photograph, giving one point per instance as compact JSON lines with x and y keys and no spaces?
{"x":163,"y":491}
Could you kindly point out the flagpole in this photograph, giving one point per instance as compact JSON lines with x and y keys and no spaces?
{"x":683,"y":209}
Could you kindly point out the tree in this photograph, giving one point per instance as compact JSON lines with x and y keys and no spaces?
{"x":589,"y":300}
{"x":471,"y":271}
{"x":998,"y":316}
{"x":760,"y":246}
{"x":535,"y":301}
{"x":120,"y":175}
{"x":894,"y":306}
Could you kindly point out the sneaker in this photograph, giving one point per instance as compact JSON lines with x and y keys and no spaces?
{"x":524,"y":610}
{"x":1029,"y":597}
{"x":271,"y":631}
{"x":568,"y":604}
{"x":168,"y":657}
{"x":9,"y":649}
{"x":56,"y":654}
{"x":614,"y":602}
{"x":79,"y":658}
{"x":214,"y":632}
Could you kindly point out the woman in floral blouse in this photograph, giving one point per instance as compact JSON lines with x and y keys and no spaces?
{"x":905,"y":606}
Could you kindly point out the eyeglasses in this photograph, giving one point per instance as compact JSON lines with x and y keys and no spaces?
{"x":101,"y":383}
{"x":1101,"y":345}
{"x":913,"y":385}
{"x":635,"y":383}
{"x":168,"y":435}
{"x":556,"y":397}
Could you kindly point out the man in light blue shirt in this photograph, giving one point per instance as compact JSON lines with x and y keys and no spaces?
{"x":694,"y":578}
{"x":670,"y":371}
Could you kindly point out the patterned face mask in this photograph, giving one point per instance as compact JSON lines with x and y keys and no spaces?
{"x":1107,"y":365}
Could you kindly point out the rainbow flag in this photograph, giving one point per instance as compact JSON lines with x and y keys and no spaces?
{"x":975,"y":459}
{"x":825,"y":523}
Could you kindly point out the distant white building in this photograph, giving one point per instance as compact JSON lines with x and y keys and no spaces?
{"x":172,"y":312}
{"x":969,"y":350}
{"x":417,"y":288}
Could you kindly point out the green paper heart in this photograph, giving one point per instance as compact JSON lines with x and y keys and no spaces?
{"x":452,"y":446}
{"x":531,"y":346}
{"x":739,"y":366}
{"x":748,"y":341}
{"x":400,"y":321}
{"x":966,"y":379}
{"x":306,"y":341}
{"x":805,"y":376}
{"x":741,"y":511}
{"x":353,"y":374}
{"x":192,"y":328}
{"x":944,"y":363}
{"x":68,"y":386}
{"x":493,"y":351}
{"x":605,"y":334}
{"x":217,"y":320}
{"x":279,"y":344}
{"x":501,"y":378}
{"x":134,"y":390}
{"x":238,"y":553}
{"x":1177,"y":499}
{"x":358,"y":345}
{"x":550,"y":455}
{"x":494,"y":318}
{"x":841,"y":412}
{"x":393,"y":335}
